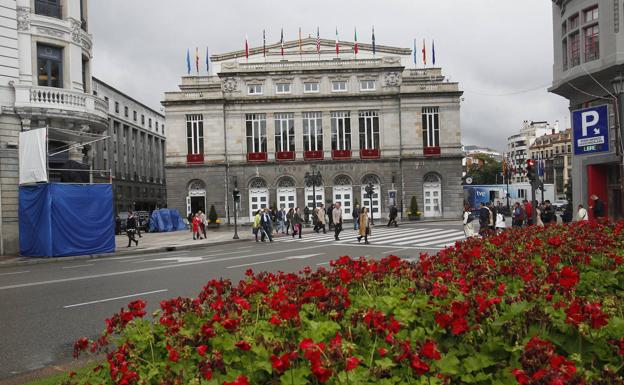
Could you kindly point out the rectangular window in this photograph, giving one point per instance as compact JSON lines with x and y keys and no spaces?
{"x":339,"y":86}
{"x":134,"y":116}
{"x":156,"y":126}
{"x":311,"y":87}
{"x":564,"y":54}
{"x":50,"y":66}
{"x":195,"y":134}
{"x":592,"y":46}
{"x":282,"y":88}
{"x":126,"y":113}
{"x":575,"y":49}
{"x":367,"y":85}
{"x":117,"y":107}
{"x":143,"y":120}
{"x":254,"y":89}
{"x":369,"y":130}
{"x":256,"y":133}
{"x":431,"y":126}
{"x":573,"y":22}
{"x":284,"y":132}
{"x":149,"y":122}
{"x":313,"y":131}
{"x":564,"y":30}
{"x":341,"y":130}
{"x":590,"y":14}
{"x":51,"y":8}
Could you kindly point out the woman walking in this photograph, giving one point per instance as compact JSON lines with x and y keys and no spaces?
{"x":289,"y":220}
{"x":297,"y":223}
{"x":255,"y":226}
{"x":365,"y":226}
{"x":468,"y":218}
{"x":196,"y":226}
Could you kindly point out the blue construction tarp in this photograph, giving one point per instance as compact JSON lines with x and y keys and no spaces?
{"x":166,"y":220}
{"x":57,"y":220}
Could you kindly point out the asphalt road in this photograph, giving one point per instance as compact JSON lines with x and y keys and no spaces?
{"x":44,"y":308}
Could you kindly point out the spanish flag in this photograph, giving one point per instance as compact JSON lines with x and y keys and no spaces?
{"x":424,"y":52}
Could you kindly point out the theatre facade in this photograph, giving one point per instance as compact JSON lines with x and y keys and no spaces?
{"x":265,"y":122}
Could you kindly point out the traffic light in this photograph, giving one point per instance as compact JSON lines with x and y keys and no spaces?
{"x":531,"y":170}
{"x":236,"y":195}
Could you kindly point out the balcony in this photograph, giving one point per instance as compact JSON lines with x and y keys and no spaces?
{"x":256,"y":156}
{"x":285,"y":155}
{"x":341,"y":154}
{"x":313,"y":155}
{"x":48,"y":8}
{"x":432,"y":151}
{"x":60,"y":103}
{"x":195,"y":159}
{"x":373,"y":153}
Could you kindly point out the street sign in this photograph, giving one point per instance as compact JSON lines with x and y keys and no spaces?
{"x":590,"y":130}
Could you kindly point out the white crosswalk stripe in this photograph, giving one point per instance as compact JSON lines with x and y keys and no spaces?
{"x":384,"y":236}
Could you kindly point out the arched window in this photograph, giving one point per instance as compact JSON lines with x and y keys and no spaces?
{"x":258,"y":196}
{"x":343,"y":193}
{"x":375,"y":208}
{"x":286,"y":193}
{"x":257,"y":183}
{"x":286,"y":181}
{"x":342,"y":180}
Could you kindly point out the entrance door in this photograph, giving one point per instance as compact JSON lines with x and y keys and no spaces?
{"x":286,"y":198}
{"x":344,"y":195}
{"x":320,"y":196}
{"x":432,"y":191}
{"x":198,"y":203}
{"x":258,"y":199}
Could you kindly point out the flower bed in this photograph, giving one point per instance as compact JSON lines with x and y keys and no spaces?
{"x":528,"y":306}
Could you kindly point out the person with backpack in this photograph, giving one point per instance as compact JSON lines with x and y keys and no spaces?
{"x":468,"y":218}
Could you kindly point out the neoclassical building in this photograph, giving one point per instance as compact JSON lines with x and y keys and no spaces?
{"x":262,"y":122}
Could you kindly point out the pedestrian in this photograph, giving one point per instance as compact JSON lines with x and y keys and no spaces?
{"x":356,"y":217}
{"x":131,"y":229}
{"x":337,"y":219}
{"x":484,"y":219}
{"x":538,"y":215}
{"x":528,"y":211}
{"x":518,"y":215}
{"x":289,"y":218}
{"x":117,"y":225}
{"x":202,"y":222}
{"x":190,"y":221}
{"x":581,"y":214}
{"x":137,"y":218}
{"x":306,"y":214}
{"x":320,"y":221}
{"x":297,"y":223}
{"x":281,"y":220}
{"x":266,"y":223}
{"x":500,"y":221}
{"x":468,"y":219}
{"x":548,"y":213}
{"x":365,"y":226}
{"x":196,"y":226}
{"x":255,"y":225}
{"x":597,"y":207}
{"x":330,"y":213}
{"x":394,"y":213}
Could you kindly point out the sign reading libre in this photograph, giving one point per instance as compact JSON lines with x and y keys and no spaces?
{"x":590,"y":129}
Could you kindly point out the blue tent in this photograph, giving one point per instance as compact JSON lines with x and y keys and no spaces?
{"x":57,"y":220}
{"x":166,"y":220}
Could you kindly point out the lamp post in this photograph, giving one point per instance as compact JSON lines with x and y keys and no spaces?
{"x":236,"y":196}
{"x":370,"y":189}
{"x":618,"y":87}
{"x":313,"y":179}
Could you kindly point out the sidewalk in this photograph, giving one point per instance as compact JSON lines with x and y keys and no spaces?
{"x":149,"y":243}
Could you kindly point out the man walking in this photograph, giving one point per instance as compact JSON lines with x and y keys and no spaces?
{"x":281,"y":220}
{"x":202,"y":222}
{"x":484,"y":219}
{"x":393,"y":216}
{"x":267,"y":225}
{"x":548,"y":213}
{"x":597,"y":207}
{"x":356,"y":217}
{"x":131,"y":227}
{"x":337,"y":220}
{"x":528,"y":211}
{"x":297,"y":223}
{"x":320,"y":219}
{"x":330,"y":213}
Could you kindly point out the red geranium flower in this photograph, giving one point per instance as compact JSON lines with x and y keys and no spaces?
{"x":430,"y":350}
{"x":352,"y":363}
{"x":243,"y":345}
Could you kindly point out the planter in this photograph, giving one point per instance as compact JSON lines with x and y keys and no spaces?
{"x":213,"y":225}
{"x":413,"y":217}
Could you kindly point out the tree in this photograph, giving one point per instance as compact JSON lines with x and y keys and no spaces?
{"x":212,"y":215}
{"x":485,"y":170}
{"x":413,"y":207}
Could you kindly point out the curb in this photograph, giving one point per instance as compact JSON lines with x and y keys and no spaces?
{"x":40,"y":260}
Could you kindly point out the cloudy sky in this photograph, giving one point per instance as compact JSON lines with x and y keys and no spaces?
{"x":500,"y":51}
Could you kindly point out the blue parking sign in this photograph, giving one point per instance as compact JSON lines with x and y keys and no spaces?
{"x":590,"y":130}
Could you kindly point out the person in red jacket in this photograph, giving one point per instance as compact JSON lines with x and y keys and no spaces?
{"x":196,"y":224}
{"x":528,"y":211}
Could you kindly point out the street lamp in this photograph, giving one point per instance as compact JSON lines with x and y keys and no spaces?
{"x":236,"y":196}
{"x":370,"y":189}
{"x":618,"y":87}
{"x":313,"y":179}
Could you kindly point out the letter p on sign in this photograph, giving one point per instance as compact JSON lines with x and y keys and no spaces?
{"x":588,"y":119}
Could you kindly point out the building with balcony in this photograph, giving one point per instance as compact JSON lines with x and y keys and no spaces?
{"x":518,"y":147}
{"x":472,"y":153}
{"x":588,"y":64}
{"x":134,"y":151}
{"x":261,"y":123}
{"x":45,"y":80}
{"x":554,"y":151}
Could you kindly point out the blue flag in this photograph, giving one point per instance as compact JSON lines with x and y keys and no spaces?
{"x":207,"y":62}
{"x":433,"y":51}
{"x":415,"y":59}
{"x":188,"y":61}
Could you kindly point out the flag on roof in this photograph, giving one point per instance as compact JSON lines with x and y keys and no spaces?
{"x":263,"y":43}
{"x":356,"y":48}
{"x":374,"y":47}
{"x":424,"y":52}
{"x":433,"y":51}
{"x":318,"y":41}
{"x":246,"y":47}
{"x":415,"y":50}
{"x":300,"y":43}
{"x":207,"y":62}
{"x":197,"y":59}
{"x":282,"y":42}
{"x":188,"y":61}
{"x":337,"y":43}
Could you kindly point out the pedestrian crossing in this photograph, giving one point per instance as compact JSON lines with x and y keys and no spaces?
{"x":425,"y":237}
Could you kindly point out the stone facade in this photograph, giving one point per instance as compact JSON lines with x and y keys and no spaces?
{"x":45,"y":80}
{"x":415,"y":152}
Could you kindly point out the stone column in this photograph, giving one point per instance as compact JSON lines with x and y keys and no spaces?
{"x":270,"y":132}
{"x":355,"y":134}
{"x":327,"y":134}
{"x":299,"y":135}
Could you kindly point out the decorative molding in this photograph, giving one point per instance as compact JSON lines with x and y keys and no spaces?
{"x":197,"y":185}
{"x":286,"y":181}
{"x":76,"y":31}
{"x":370,"y":178}
{"x":50,"y":32}
{"x":255,"y":80}
{"x":391,"y":60}
{"x":23,"y":18}
{"x":431,"y":178}
{"x":392,"y":79}
{"x":257,"y":183}
{"x":230,"y":85}
{"x":342,"y":180}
